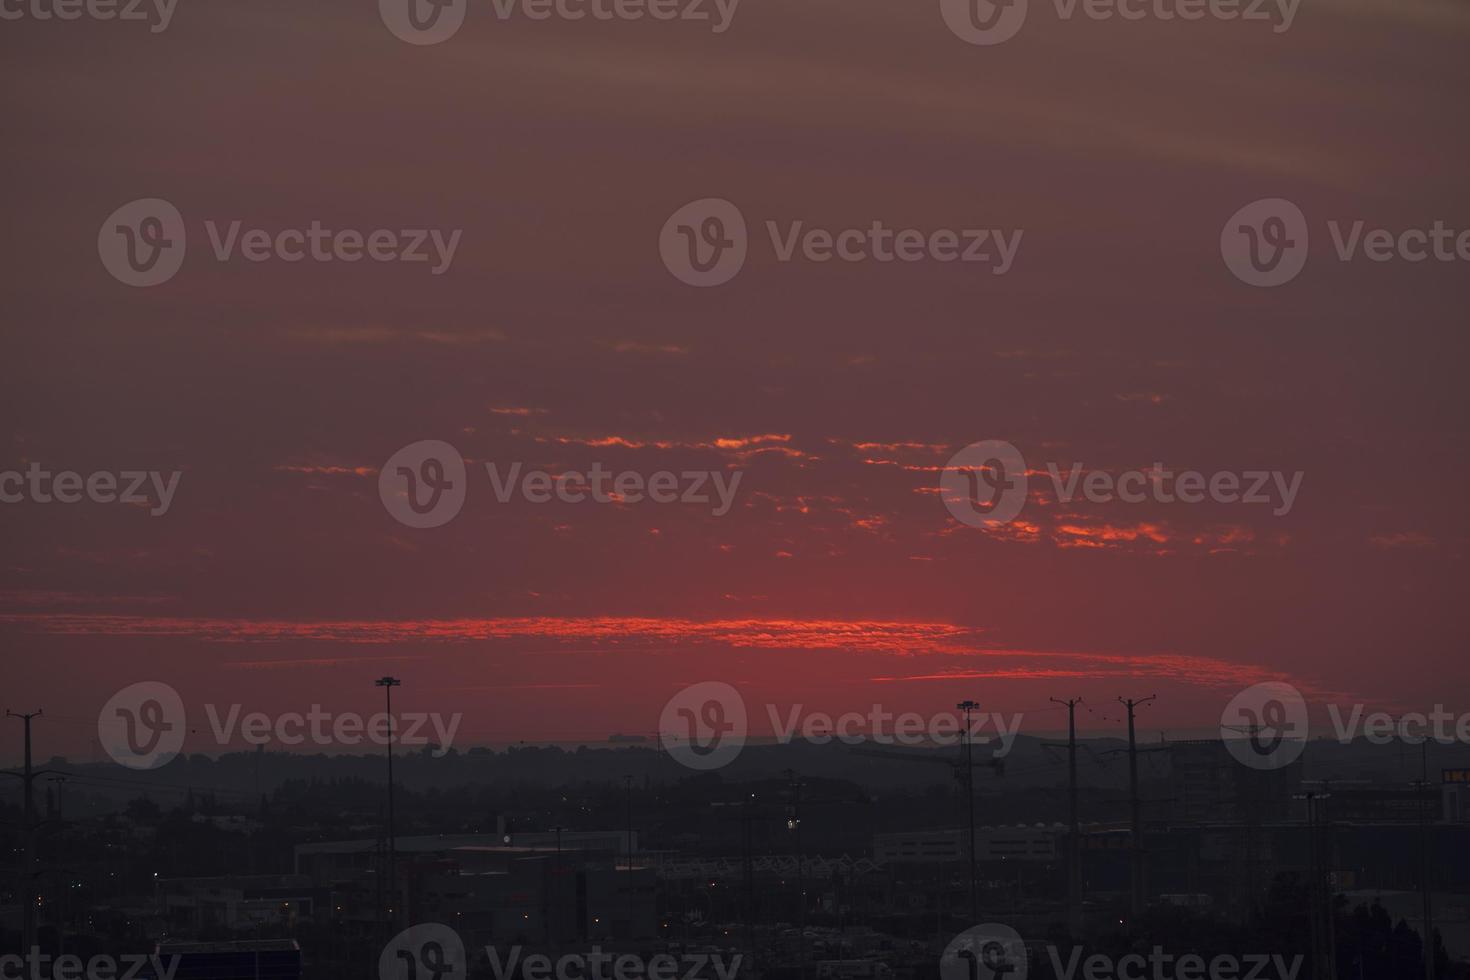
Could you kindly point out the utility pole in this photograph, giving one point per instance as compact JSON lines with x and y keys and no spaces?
{"x":28,"y":838}
{"x":1137,"y":903}
{"x":963,"y":769}
{"x":380,"y":853}
{"x":1074,"y":847}
{"x":749,"y":868}
{"x":555,"y":891}
{"x":968,"y":706}
{"x":793,"y":823}
{"x":388,"y":684}
{"x":1425,"y":799}
{"x":60,"y":782}
{"x":1319,"y":859}
{"x":628,"y":803}
{"x":1314,"y":882}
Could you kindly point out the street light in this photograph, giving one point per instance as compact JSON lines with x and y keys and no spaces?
{"x":628,"y":800}
{"x":968,"y":706}
{"x":388,"y":684}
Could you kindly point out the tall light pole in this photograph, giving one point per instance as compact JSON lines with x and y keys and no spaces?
{"x":388,"y":684}
{"x":28,"y":833}
{"x":793,"y":824}
{"x":968,"y":706}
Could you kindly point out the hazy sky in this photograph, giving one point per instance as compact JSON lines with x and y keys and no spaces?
{"x":557,"y":338}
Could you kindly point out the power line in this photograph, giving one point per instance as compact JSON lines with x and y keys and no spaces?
{"x":28,"y":832}
{"x":1074,"y":848}
{"x":1136,"y":849}
{"x":968,"y":706}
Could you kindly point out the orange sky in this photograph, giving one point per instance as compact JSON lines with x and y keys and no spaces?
{"x":839,"y":391}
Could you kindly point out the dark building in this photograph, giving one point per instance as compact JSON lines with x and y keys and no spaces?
{"x":554,"y":889}
{"x":1209,"y":785}
{"x":251,"y":959}
{"x":238,"y":903}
